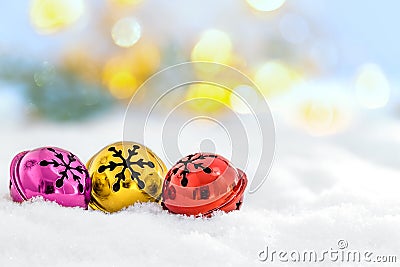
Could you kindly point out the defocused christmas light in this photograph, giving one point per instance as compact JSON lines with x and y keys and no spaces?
{"x":126,"y":2}
{"x":265,"y":5}
{"x":118,"y":76}
{"x":321,"y":109}
{"x":214,"y":46}
{"x":146,"y":58}
{"x":275,"y":77}
{"x":124,"y":73}
{"x":321,"y":118}
{"x":126,"y":32}
{"x":372,"y":87}
{"x":207,"y":97}
{"x":49,"y":16}
{"x":122,"y":85}
{"x":241,"y":105}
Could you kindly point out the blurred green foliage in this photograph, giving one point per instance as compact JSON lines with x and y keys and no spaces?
{"x":54,"y":93}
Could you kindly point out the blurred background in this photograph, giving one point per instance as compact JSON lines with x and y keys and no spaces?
{"x":328,"y":69}
{"x":319,"y":64}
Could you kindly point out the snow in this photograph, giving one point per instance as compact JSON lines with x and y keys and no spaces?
{"x":320,"y":190}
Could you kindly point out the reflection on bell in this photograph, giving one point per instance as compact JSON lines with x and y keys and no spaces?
{"x":202,"y":183}
{"x":124,"y":173}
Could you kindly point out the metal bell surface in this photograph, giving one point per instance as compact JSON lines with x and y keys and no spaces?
{"x":202,"y":183}
{"x":52,"y":173}
{"x":124,"y":173}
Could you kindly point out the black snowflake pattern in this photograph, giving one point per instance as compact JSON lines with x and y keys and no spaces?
{"x":126,"y":164}
{"x":191,"y":160}
{"x":67,"y":168}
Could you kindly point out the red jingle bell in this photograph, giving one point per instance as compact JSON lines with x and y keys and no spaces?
{"x":202,"y":183}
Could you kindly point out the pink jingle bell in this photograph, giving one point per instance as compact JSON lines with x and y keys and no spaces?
{"x":52,"y":173}
{"x":202,"y":183}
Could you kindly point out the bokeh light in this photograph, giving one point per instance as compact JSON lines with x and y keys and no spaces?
{"x":275,"y":77}
{"x":265,"y":5}
{"x":321,"y":109}
{"x":146,"y":58}
{"x":126,"y":32}
{"x":126,"y":2}
{"x":49,"y":16}
{"x":214,"y":46}
{"x":322,"y":118}
{"x":207,"y":97}
{"x":122,"y":84}
{"x":119,"y":77}
{"x":372,"y":87}
{"x":294,"y":49}
{"x":122,"y":74}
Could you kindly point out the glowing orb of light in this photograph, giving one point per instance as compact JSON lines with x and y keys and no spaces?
{"x":265,"y":5}
{"x":214,"y":46}
{"x":119,"y":78}
{"x":126,"y":32}
{"x":319,"y":118}
{"x":49,"y":16}
{"x":275,"y":77}
{"x":123,"y":73}
{"x":122,"y":85}
{"x":322,"y":109}
{"x":372,"y":87}
{"x":126,"y":2}
{"x":207,"y":97}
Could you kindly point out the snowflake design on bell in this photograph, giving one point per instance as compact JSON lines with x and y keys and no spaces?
{"x":203,"y":183}
{"x":192,"y":159}
{"x":67,"y":168}
{"x":124,"y":173}
{"x":52,"y":173}
{"x":126,"y":164}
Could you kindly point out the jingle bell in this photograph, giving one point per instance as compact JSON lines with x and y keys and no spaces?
{"x":124,"y":173}
{"x":202,"y":183}
{"x":52,"y":173}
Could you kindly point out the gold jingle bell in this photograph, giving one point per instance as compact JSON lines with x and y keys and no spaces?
{"x":124,"y":173}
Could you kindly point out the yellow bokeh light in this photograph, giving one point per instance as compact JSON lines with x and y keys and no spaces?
{"x":146,"y":59}
{"x":265,"y":5}
{"x":207,"y":97}
{"x":126,"y":32}
{"x":321,"y":108}
{"x":123,"y":74}
{"x":49,"y":16}
{"x":213,"y":46}
{"x":122,"y":85}
{"x":120,"y":79}
{"x":372,"y":87}
{"x":321,"y":118}
{"x":275,"y":77}
{"x":126,"y":2}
